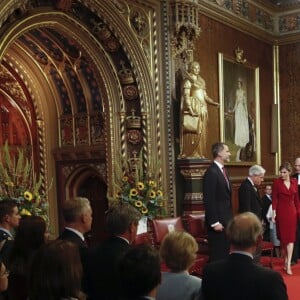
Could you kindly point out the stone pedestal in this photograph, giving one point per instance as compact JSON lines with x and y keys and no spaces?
{"x":193,"y":170}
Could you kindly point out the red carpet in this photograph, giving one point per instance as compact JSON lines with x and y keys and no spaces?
{"x":292,"y":281}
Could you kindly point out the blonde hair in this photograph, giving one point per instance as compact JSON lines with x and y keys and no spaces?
{"x":178,"y":250}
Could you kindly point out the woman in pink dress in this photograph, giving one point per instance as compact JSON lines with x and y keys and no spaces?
{"x":286,"y":208}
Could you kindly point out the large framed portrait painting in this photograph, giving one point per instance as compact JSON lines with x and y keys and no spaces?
{"x":239,"y":109}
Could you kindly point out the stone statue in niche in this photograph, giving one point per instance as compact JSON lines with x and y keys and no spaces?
{"x":194,"y":114}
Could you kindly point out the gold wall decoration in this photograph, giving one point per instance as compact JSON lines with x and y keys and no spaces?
{"x":186,"y":29}
{"x":239,"y":55}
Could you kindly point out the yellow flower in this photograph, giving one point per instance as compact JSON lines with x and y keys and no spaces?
{"x":159,"y":193}
{"x":144,"y":210}
{"x":133,"y":192}
{"x":25,"y":212}
{"x":125,"y":179}
{"x":151,"y":183}
{"x":140,"y":186}
{"x":152,"y":194}
{"x":138,"y":203}
{"x":28,"y":196}
{"x":119,"y":194}
{"x":9,"y":183}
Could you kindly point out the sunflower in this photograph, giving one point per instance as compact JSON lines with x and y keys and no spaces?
{"x":144,"y":210}
{"x":140,"y":186}
{"x":152,"y":194}
{"x":25,"y":212}
{"x":125,"y":178}
{"x":151,"y":183}
{"x":159,"y":193}
{"x":28,"y":196}
{"x":119,"y":194}
{"x":138,"y":203}
{"x":133,"y":192}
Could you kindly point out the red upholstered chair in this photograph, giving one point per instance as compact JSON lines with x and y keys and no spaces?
{"x":267,"y":250}
{"x":160,"y":227}
{"x":143,"y":238}
{"x":197,"y":228}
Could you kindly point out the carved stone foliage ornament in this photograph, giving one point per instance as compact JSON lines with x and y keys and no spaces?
{"x":139,"y":23}
{"x":186,"y":29}
{"x":134,"y":136}
{"x":239,"y":55}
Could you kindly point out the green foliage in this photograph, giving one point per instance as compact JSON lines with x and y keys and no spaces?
{"x":140,"y":190}
{"x":19,"y":182}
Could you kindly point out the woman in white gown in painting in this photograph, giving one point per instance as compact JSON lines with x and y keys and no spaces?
{"x":241,"y":134}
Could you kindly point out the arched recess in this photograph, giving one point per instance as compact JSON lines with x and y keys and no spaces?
{"x":145,"y":73}
{"x":88,"y":180}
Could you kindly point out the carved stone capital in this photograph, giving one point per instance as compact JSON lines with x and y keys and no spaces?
{"x":193,"y":169}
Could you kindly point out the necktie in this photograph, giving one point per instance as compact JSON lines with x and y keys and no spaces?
{"x":225,"y":175}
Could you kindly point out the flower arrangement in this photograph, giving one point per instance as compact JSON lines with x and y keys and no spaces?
{"x":18,"y":182}
{"x":141,"y":191}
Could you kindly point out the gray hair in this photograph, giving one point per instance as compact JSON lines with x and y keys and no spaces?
{"x":74,"y":208}
{"x":243,"y":230}
{"x":256,"y":170}
{"x":120,"y":217}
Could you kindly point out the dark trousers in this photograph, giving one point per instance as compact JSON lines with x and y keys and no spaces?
{"x":218,"y":245}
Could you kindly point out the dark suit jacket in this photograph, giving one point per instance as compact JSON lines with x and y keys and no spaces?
{"x":296,"y":176}
{"x":6,"y":243}
{"x":249,"y":199}
{"x":238,"y":278}
{"x":103,"y":283}
{"x":218,"y":208}
{"x":71,"y":236}
{"x":217,"y":197}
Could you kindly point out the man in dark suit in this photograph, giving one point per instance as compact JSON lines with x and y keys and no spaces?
{"x":249,"y":199}
{"x":296,"y":251}
{"x":77,"y":214}
{"x":139,"y":273}
{"x":121,"y":224}
{"x":238,"y":277}
{"x":217,"y":202}
{"x":266,"y":202}
{"x":9,"y":220}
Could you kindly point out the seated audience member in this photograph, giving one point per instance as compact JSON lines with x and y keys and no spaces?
{"x":9,"y":221}
{"x":56,"y":272}
{"x":238,"y":277}
{"x":179,"y":250}
{"x":77,"y":214}
{"x":3,"y":279}
{"x":139,"y":273}
{"x":121,"y":224}
{"x":30,"y":236}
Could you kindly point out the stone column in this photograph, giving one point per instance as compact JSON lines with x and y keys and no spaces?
{"x":193,"y":170}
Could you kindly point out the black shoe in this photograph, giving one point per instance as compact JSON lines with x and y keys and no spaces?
{"x":293,"y":262}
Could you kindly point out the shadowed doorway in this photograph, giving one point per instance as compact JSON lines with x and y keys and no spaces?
{"x":95,"y":190}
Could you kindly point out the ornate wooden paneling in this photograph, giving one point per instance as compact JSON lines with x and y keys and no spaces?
{"x":289,"y":101}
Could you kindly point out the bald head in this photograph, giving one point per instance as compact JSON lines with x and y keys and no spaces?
{"x":244,"y":231}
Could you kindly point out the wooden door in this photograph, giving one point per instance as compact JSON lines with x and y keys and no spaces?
{"x":95,"y":190}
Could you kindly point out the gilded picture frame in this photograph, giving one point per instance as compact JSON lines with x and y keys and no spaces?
{"x":239,"y":109}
